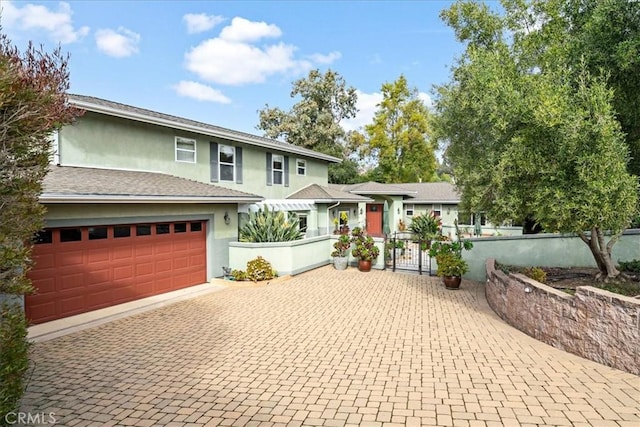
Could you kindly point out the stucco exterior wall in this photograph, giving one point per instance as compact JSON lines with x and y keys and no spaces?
{"x":544,"y":250}
{"x":102,"y":141}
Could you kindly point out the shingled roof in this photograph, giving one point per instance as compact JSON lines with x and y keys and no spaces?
{"x":117,"y":109}
{"x":416,"y":192}
{"x":320,"y":193}
{"x":66,"y":184}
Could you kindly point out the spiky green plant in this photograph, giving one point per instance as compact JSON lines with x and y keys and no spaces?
{"x":271,"y":226}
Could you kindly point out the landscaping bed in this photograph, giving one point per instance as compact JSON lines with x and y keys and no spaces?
{"x":567,"y":279}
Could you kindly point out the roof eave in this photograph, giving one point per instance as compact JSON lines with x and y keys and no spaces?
{"x":48,"y":198}
{"x":96,"y":108}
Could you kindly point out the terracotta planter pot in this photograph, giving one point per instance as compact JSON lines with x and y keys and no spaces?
{"x":452,"y":282}
{"x":364,"y":265}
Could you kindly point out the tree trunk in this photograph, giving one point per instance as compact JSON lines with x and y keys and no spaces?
{"x":601,"y":252}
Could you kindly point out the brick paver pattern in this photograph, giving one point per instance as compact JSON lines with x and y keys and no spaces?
{"x":326,"y":348}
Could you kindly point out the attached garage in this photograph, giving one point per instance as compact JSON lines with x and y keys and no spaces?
{"x":115,"y":236}
{"x":79,"y":269}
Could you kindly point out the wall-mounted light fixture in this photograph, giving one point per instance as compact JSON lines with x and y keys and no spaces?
{"x":360,"y":211}
{"x":227,"y":218}
{"x":398,"y":211}
{"x":354,"y":211}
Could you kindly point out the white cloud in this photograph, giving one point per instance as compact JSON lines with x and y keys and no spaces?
{"x":200,"y":92}
{"x":325,"y":59}
{"x":243,"y":30}
{"x":367,"y":105}
{"x":119,"y":44}
{"x":235,"y":57}
{"x":35,"y":18}
{"x":201,"y":22}
{"x":426,"y":99}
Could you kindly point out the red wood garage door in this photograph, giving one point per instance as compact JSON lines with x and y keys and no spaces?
{"x":86,"y":268}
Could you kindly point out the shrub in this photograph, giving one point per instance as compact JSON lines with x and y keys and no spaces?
{"x":536,"y":273}
{"x":14,"y":351}
{"x":426,"y":227}
{"x":365,"y":247}
{"x":239,"y":275}
{"x":260,"y":269}
{"x":271,"y":226}
{"x":633,"y":265}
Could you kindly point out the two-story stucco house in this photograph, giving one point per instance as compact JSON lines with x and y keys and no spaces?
{"x":141,"y":203}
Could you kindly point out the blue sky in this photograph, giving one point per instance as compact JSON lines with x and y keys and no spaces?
{"x":221,"y":61}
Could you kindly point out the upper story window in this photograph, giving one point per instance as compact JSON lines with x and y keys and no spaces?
{"x":277,"y":169}
{"x":437,"y":210}
{"x":185,"y":150}
{"x":277,"y":164}
{"x":301,"y":167}
{"x":226,"y":157}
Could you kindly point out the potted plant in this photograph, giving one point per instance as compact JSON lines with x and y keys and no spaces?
{"x":451,"y":266}
{"x":344,"y":222}
{"x":365,"y":249}
{"x":426,"y":228}
{"x":341,"y":252}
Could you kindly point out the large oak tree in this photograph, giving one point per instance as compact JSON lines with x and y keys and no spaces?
{"x":532,"y":128}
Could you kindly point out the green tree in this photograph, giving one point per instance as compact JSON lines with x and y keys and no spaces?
{"x":33,"y":103}
{"x":314,"y":121}
{"x":530,"y":131}
{"x":398,"y":141}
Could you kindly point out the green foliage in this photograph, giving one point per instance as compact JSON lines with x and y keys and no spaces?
{"x":365,"y":248}
{"x":531,"y":125}
{"x":443,"y":247}
{"x":426,"y":227}
{"x":536,"y":273}
{"x":399,"y":140}
{"x":269,"y":225}
{"x":14,"y":352}
{"x":633,"y":265}
{"x":345,"y":172}
{"x":314,"y":121}
{"x":260,"y":269}
{"x":239,"y":275}
{"x":33,"y":103}
{"x":451,"y":265}
{"x":342,"y":246}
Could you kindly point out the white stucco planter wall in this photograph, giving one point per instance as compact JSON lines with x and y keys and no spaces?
{"x":285,"y":257}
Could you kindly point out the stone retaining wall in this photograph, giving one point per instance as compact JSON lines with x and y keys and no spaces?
{"x":598,"y":325}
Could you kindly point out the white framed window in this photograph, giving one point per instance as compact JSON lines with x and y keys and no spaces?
{"x":277,"y":167}
{"x":303,"y":223}
{"x":301,"y":167}
{"x":185,"y":150}
{"x":437,"y":210}
{"x":226,"y":160}
{"x":408,"y":209}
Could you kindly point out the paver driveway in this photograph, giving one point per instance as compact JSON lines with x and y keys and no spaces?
{"x":325,"y":348}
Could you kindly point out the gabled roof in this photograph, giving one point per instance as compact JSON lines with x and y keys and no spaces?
{"x":116,"y":109}
{"x":415,"y":192}
{"x":66,"y":184}
{"x":322,"y":194}
{"x":374,"y":188}
{"x":432,"y":192}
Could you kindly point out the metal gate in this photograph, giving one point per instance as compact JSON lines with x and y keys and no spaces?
{"x":403,"y":251}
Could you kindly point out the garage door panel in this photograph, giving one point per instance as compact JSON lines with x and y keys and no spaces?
{"x":83,"y":275}
{"x":70,"y":258}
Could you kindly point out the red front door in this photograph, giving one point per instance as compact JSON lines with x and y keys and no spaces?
{"x":374,"y":220}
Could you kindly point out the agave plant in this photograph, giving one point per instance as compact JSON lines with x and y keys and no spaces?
{"x":271,"y":226}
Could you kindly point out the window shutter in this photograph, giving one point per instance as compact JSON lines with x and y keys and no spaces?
{"x":269,"y":169}
{"x":286,"y":171}
{"x":238,"y":165}
{"x":213,"y":160}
